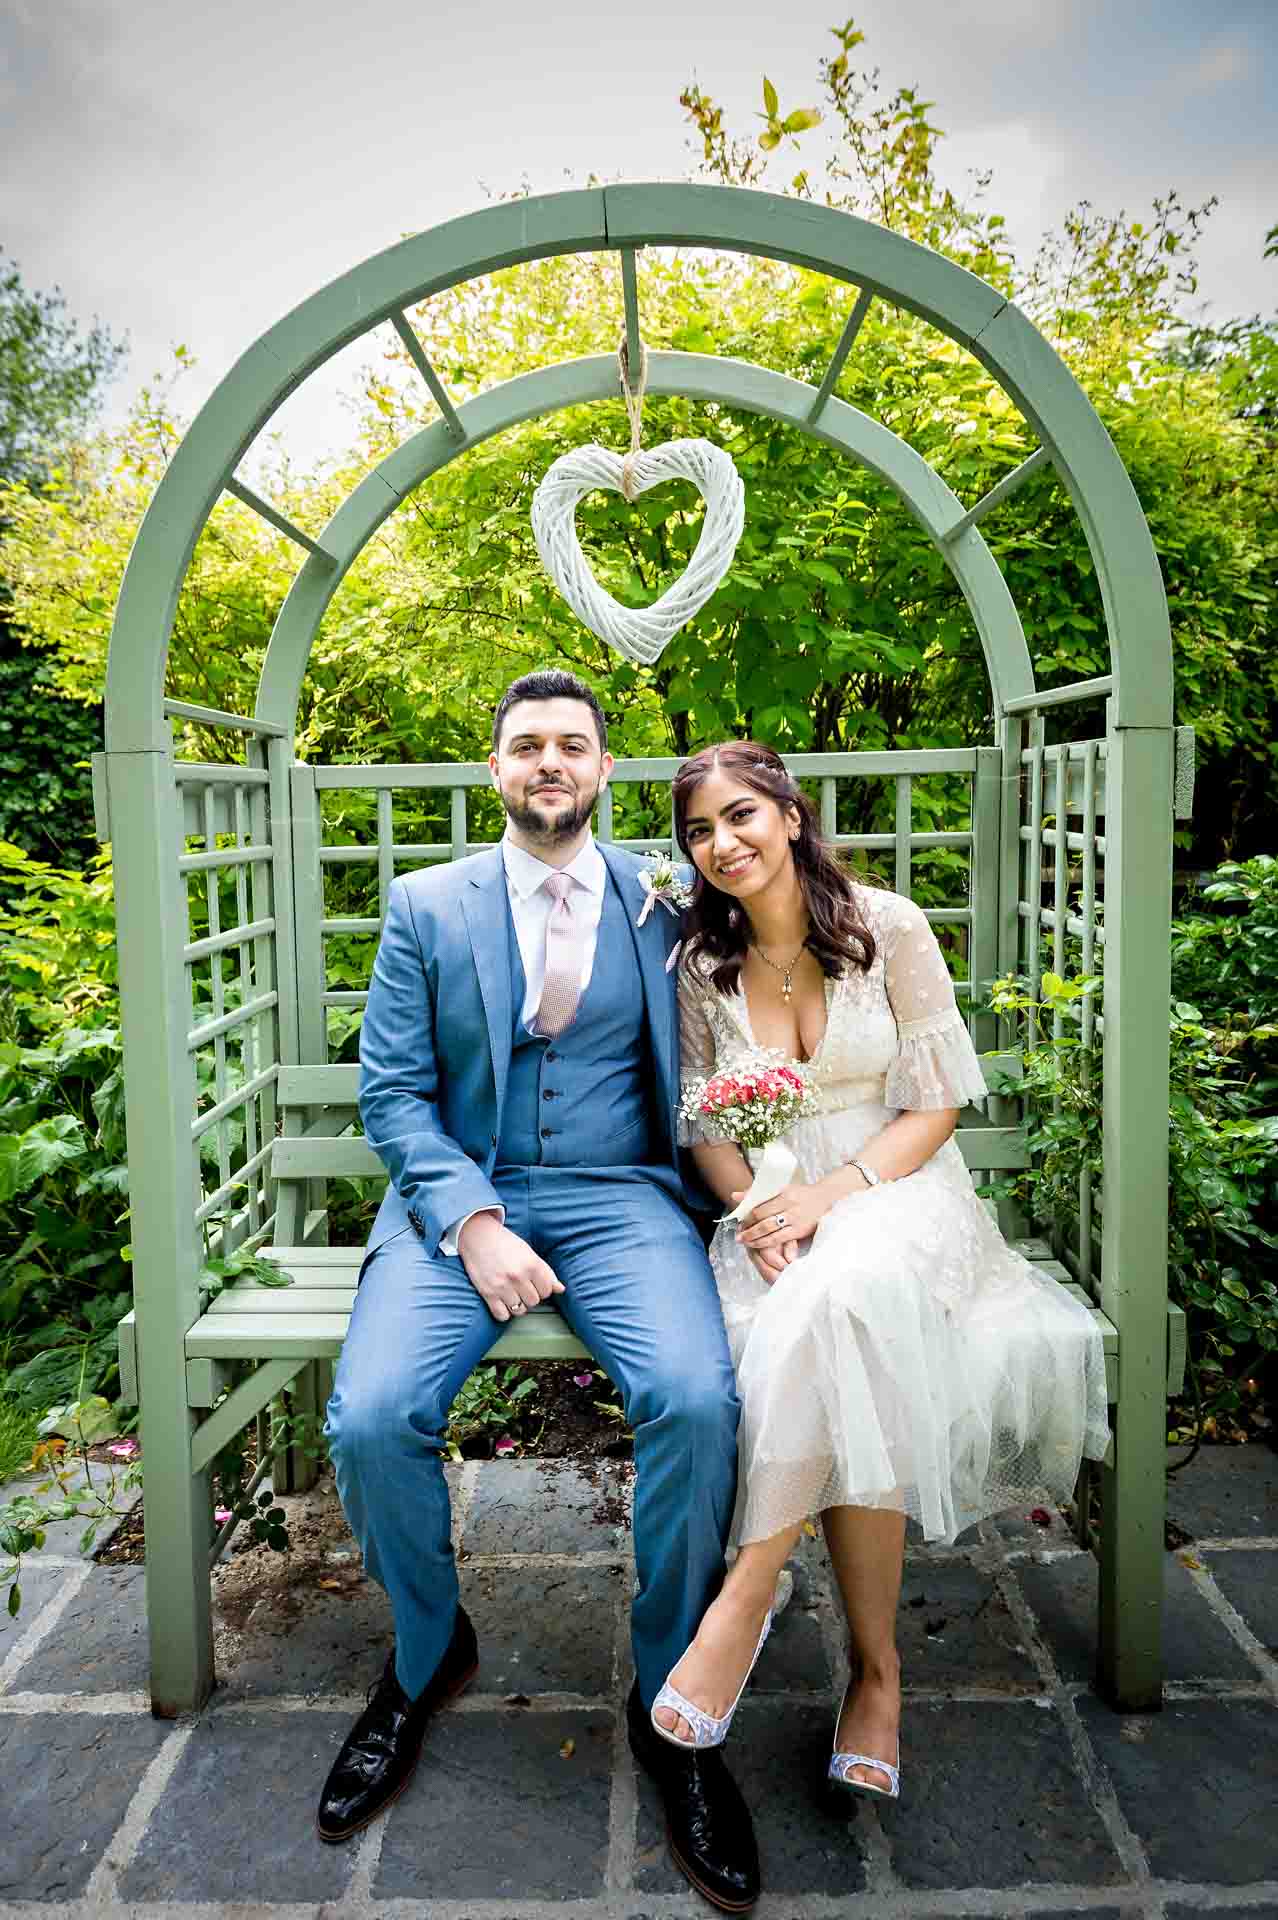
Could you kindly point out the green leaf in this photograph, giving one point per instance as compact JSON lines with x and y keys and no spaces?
{"x":770,"y":101}
{"x":30,"y":1157}
{"x":15,"y":1600}
{"x":88,"y":1420}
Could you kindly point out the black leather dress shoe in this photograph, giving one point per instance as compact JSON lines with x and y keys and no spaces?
{"x":380,"y":1752}
{"x":708,"y":1825}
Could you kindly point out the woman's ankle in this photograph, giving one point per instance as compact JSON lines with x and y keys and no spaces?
{"x":880,"y":1669}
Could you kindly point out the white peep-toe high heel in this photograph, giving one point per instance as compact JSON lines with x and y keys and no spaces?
{"x":706,"y":1730}
{"x":841,"y":1765}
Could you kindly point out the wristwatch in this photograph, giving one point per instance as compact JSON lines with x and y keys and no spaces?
{"x":870,"y":1177}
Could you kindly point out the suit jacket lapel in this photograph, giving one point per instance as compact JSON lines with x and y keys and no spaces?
{"x":651,"y":950}
{"x":486,"y":911}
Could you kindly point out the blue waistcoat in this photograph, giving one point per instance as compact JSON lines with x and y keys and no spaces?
{"x":580,"y":1099}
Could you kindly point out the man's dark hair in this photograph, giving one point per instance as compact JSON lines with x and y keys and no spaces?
{"x":550,"y":683}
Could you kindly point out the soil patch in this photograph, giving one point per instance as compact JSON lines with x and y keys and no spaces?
{"x":564,"y":1421}
{"x":567,"y":1421}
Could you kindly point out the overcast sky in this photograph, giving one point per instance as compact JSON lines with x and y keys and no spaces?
{"x":188,"y":172}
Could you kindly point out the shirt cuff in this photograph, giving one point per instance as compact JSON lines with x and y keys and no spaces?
{"x":448,"y":1241}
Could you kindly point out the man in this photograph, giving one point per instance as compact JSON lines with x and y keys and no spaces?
{"x":519,"y":1078}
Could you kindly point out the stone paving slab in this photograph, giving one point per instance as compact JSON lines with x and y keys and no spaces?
{"x":236,"y":1822}
{"x":100,"y":1642}
{"x":794,"y":1657}
{"x":1249,"y":1581}
{"x":1226,"y":1493}
{"x":1198,"y":1783}
{"x":530,"y":1506}
{"x":954,"y":1629}
{"x":1196,"y":1644}
{"x":545,"y":1629}
{"x":1022,"y":1793}
{"x":38,"y":1584}
{"x":778,"y":1757}
{"x":1257,"y":1910}
{"x":990,"y":1797}
{"x":505,"y":1806}
{"x":1041,"y":1528}
{"x":329,"y":1641}
{"x":68,"y":1779}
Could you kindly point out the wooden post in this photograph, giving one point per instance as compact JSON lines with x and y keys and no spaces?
{"x":159,"y":1087}
{"x":1138,"y":843}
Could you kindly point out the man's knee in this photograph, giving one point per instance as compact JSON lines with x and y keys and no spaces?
{"x":380,"y":1419}
{"x":700,"y":1401}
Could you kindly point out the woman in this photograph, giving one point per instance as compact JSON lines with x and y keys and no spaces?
{"x":893,"y":1355}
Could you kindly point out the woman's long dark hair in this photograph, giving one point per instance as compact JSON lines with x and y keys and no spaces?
{"x":717,"y":931}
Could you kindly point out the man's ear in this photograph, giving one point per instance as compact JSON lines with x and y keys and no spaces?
{"x":606,"y":765}
{"x":492,"y":770}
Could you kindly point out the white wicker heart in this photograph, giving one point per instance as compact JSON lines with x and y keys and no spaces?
{"x":640,"y":633}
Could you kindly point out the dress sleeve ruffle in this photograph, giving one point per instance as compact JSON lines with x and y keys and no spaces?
{"x":936,"y":1065}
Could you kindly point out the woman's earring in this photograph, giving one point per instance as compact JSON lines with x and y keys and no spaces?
{"x":734,"y":916}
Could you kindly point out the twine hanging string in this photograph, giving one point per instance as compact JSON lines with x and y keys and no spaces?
{"x":633,"y":397}
{"x":638,"y":633}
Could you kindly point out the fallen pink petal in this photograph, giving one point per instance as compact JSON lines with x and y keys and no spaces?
{"x":504,"y":1446}
{"x":583,"y":1379}
{"x":1041,"y":1517}
{"x":123,"y":1449}
{"x":220,"y":1516}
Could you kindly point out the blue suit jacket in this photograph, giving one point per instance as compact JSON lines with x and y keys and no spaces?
{"x":436,"y":1041}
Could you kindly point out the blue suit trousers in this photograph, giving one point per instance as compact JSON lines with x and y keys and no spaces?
{"x":640,"y":1294}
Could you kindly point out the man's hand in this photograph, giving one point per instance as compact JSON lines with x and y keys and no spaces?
{"x":771,"y":1262}
{"x":503,"y":1269}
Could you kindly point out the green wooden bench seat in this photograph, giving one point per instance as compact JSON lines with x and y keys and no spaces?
{"x":306,"y":1322}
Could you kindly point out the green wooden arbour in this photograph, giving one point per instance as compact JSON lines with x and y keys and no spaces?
{"x":254,"y":817}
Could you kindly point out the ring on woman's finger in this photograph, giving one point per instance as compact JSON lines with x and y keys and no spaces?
{"x":516,"y":1306}
{"x":779,"y":1219}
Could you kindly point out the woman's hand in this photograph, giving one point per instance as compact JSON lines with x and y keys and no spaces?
{"x":799,"y":1208}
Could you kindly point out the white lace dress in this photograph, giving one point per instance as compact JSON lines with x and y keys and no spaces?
{"x":909,"y":1358}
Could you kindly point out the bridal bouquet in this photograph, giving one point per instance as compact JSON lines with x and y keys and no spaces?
{"x":753,"y":1103}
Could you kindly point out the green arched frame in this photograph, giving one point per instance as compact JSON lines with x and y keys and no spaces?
{"x":144,"y":813}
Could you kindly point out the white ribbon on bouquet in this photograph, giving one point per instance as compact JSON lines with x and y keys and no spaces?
{"x":774,"y":1172}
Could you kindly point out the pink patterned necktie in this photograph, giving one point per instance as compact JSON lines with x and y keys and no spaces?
{"x":565,"y":957}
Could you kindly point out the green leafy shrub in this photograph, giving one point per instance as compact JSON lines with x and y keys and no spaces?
{"x":19,"y":1428}
{"x":64,"y":1274}
{"x":494,"y":1408}
{"x":1223,"y":1144}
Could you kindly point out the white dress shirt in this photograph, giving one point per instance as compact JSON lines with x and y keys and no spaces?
{"x":530,"y":906}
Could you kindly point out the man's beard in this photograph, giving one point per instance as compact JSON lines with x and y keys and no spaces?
{"x":553,"y":828}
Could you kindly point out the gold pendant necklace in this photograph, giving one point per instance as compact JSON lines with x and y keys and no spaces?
{"x":785,"y":971}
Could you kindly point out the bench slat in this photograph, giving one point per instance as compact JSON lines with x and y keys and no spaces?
{"x":318,"y":1086}
{"x":541,"y":1334}
{"x":337,"y":1297}
{"x":315,"y":1260}
{"x":313,"y":1159}
{"x":987,"y":1147}
{"x":983,"y":1147}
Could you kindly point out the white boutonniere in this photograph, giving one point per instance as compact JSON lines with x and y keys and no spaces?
{"x":663,"y":881}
